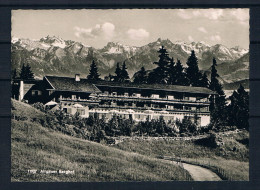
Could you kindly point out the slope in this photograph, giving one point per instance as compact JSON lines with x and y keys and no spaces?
{"x":36,"y":147}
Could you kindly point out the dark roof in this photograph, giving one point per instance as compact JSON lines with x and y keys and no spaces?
{"x":84,"y":85}
{"x":69,"y":84}
{"x":164,"y":87}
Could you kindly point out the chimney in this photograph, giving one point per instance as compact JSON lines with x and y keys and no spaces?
{"x":77,"y":77}
{"x":21,"y":91}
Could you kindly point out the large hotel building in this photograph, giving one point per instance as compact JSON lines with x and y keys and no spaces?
{"x":106,"y":98}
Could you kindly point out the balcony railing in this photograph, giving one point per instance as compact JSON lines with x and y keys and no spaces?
{"x":151,"y":108}
{"x":149,"y":99}
{"x":79,"y":100}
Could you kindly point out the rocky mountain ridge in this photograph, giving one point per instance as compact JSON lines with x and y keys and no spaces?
{"x":55,"y":56}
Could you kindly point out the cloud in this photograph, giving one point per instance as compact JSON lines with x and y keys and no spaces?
{"x":137,"y":34}
{"x":213,"y":14}
{"x":202,"y":29}
{"x":196,"y":13}
{"x":191,"y":38}
{"x":215,"y":38}
{"x":242,"y":15}
{"x":184,"y":14}
{"x":105,"y":30}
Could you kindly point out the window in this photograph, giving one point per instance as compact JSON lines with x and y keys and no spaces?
{"x":170,"y":97}
{"x":114,"y":93}
{"x":155,"y":96}
{"x":73,"y":97}
{"x":67,"y":110}
{"x":36,"y":93}
{"x":126,"y":94}
{"x":81,"y":111}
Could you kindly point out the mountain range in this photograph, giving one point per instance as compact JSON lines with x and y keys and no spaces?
{"x":55,"y":56}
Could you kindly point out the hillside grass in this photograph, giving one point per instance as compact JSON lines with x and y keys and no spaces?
{"x":232,"y":170}
{"x":36,"y":147}
{"x":232,"y":158}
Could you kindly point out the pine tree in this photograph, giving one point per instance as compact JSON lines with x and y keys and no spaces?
{"x":180,"y":75}
{"x":160,"y":74}
{"x":93,"y":72}
{"x":124,"y":77}
{"x":218,"y":101}
{"x":26,"y":73}
{"x":29,"y":72}
{"x":204,"y":82}
{"x":193,"y":74}
{"x":239,"y":108}
{"x":141,"y":76}
{"x":23,"y":73}
{"x":118,"y":73}
{"x":172,"y":72}
{"x":214,"y":82}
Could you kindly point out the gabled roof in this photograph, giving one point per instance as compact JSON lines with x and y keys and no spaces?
{"x":69,"y":84}
{"x":164,"y":87}
{"x":85,"y":85}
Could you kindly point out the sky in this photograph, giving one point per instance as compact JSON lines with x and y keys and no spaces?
{"x":135,"y":27}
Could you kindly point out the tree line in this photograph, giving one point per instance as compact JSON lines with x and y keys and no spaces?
{"x":173,"y":73}
{"x":167,"y":72}
{"x":170,"y":72}
{"x":25,"y":73}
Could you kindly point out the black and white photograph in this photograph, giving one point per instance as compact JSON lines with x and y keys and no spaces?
{"x":130,"y":95}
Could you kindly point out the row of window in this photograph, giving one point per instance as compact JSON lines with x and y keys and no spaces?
{"x":157,"y":96}
{"x":69,"y":110}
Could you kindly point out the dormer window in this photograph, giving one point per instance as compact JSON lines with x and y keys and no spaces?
{"x":36,"y":93}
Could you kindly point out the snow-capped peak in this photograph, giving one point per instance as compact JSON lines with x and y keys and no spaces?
{"x":117,"y":48}
{"x":14,"y":40}
{"x":54,"y":41}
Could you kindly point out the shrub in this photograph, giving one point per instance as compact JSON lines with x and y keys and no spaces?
{"x":39,"y":106}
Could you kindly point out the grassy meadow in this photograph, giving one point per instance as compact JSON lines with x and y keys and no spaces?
{"x":232,"y":158}
{"x":36,"y":147}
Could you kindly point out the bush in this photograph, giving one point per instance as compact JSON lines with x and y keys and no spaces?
{"x":39,"y":106}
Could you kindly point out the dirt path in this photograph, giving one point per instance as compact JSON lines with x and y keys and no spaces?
{"x":201,"y":174}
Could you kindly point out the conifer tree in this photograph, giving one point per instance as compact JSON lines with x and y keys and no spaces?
{"x":23,"y":72}
{"x":26,"y":73}
{"x":29,"y":72}
{"x":204,"y":82}
{"x":180,"y":75}
{"x":239,"y":108}
{"x":124,"y":77}
{"x":118,"y":73}
{"x":141,"y":76}
{"x":193,"y":74}
{"x":218,"y":101}
{"x":172,"y":72}
{"x":93,"y":72}
{"x":160,"y":74}
{"x":214,"y":82}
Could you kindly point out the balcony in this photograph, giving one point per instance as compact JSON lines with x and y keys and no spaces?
{"x":204,"y":111}
{"x":79,"y":100}
{"x":150,"y":99}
